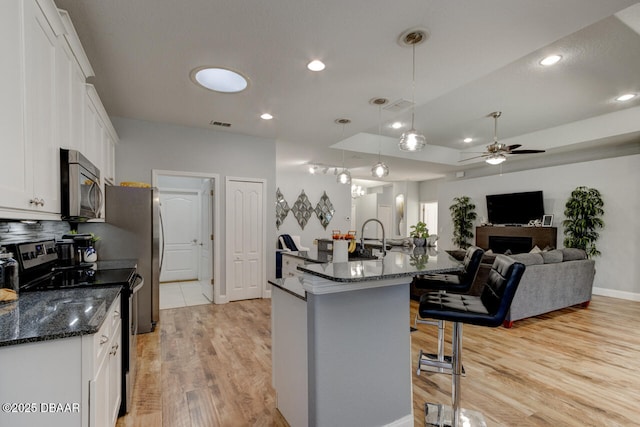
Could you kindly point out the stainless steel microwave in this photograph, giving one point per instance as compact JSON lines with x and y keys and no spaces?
{"x":81,"y":196}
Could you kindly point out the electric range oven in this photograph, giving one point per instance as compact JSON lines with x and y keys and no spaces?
{"x":40,"y":270}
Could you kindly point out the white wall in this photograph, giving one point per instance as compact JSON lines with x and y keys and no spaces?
{"x":149,"y":145}
{"x":292,"y":184}
{"x":618,"y":269}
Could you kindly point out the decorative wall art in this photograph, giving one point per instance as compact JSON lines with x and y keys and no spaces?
{"x":399,"y":214}
{"x":302,"y":209}
{"x":282,"y":208}
{"x":324,"y":210}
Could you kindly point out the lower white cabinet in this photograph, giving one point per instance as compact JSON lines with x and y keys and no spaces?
{"x":290,"y":265}
{"x":64,"y":382}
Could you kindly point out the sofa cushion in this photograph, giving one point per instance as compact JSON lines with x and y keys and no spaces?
{"x":573,"y":254}
{"x":552,"y":257}
{"x":528,"y":259}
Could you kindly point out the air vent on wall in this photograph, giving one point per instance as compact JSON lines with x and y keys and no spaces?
{"x":223,"y":124}
{"x":399,"y":105}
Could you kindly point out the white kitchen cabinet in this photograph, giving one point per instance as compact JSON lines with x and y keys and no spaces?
{"x":290,"y":265}
{"x":102,"y":364}
{"x":43,"y":107}
{"x":15,"y":177}
{"x":84,"y":371}
{"x":100,"y":136}
{"x":40,"y":53}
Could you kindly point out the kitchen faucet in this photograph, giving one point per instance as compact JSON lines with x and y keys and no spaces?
{"x":384,"y":241}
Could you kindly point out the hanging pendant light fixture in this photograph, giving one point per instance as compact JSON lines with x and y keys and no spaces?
{"x":344,"y":177}
{"x":412,"y":140}
{"x":379,"y":170}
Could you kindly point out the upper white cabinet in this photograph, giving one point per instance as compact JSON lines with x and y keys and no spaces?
{"x":44,"y":106}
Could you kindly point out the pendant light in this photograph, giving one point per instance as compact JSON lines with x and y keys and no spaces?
{"x":379,"y":170}
{"x":412,"y":140}
{"x":344,"y":177}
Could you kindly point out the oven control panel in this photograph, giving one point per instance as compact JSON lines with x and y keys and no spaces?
{"x":34,"y":254}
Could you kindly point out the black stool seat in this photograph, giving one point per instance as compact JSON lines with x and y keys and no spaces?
{"x":488,"y":309}
{"x":460,"y":282}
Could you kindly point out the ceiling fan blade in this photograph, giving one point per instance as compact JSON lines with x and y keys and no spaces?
{"x":526,"y":151}
{"x":513,"y":147}
{"x":471,"y":158}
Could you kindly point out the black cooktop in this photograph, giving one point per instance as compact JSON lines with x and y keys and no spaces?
{"x":80,"y":277}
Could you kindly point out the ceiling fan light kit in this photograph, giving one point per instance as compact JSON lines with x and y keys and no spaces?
{"x":495,"y":159}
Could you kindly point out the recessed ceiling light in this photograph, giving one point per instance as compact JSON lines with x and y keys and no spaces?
{"x":396,"y":125}
{"x":626,"y":97}
{"x":550,"y":60}
{"x":219,"y":79}
{"x":467,"y":140}
{"x":266,"y":116}
{"x":316,"y":65}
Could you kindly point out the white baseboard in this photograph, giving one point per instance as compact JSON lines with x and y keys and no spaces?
{"x":616,"y":294}
{"x":406,"y":421}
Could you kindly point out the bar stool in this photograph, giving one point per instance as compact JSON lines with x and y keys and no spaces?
{"x":488,"y":309}
{"x":455,"y":283}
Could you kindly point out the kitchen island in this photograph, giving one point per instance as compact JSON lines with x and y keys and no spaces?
{"x":341,"y":344}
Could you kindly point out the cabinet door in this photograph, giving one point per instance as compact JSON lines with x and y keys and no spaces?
{"x":15,"y":182}
{"x":99,"y":412}
{"x":115,"y":375}
{"x":40,"y":46}
{"x":91,"y":129}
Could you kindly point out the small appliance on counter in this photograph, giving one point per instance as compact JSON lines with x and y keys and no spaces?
{"x":9,"y":283}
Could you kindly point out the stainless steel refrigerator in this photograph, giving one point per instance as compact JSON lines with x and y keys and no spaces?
{"x":132,"y":230}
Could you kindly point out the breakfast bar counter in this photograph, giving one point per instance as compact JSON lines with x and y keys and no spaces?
{"x":341,"y":344}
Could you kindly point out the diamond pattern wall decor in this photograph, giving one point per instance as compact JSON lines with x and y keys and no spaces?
{"x":324,"y":210}
{"x":302,"y":209}
{"x":282,"y":208}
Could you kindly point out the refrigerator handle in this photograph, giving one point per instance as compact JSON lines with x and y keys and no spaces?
{"x":162,"y":238}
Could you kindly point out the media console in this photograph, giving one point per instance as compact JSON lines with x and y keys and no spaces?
{"x":516,"y":239}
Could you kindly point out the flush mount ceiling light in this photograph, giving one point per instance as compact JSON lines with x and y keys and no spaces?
{"x":316,"y":65}
{"x":379,"y":170}
{"x":266,"y":116}
{"x":344,"y":177}
{"x":626,"y":97}
{"x":412,"y":140}
{"x":550,"y":60}
{"x":219,"y":79}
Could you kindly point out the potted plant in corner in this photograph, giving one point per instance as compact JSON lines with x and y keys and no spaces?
{"x":462,"y":214}
{"x":583,"y":211}
{"x":419,"y":232}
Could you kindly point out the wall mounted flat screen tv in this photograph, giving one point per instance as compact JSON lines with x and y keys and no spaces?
{"x":515,"y":208}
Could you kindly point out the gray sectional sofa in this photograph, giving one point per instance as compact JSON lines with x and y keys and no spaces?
{"x":552,"y":280}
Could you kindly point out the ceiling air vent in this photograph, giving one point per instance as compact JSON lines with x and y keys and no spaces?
{"x":399,"y":105}
{"x":223,"y":124}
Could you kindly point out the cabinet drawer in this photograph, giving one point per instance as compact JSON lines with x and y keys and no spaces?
{"x":102,"y":338}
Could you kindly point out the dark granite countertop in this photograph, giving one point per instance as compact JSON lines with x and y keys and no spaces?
{"x":54,"y":314}
{"x":291,"y":285}
{"x":393,"y":265}
{"x":116,"y":264}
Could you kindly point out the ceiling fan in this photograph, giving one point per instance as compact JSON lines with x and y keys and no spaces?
{"x":496,"y":152}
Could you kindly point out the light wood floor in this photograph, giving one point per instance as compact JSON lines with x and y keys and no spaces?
{"x":210,"y":366}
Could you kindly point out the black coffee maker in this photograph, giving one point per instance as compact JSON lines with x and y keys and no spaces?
{"x":71,"y":248}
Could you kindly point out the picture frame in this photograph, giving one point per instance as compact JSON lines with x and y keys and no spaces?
{"x":547,"y":220}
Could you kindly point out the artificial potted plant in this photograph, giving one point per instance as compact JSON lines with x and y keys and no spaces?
{"x":583,"y":212}
{"x":462,"y":214}
{"x":419,"y":232}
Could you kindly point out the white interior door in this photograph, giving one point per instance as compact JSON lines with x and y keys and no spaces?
{"x":245,"y":257}
{"x":180,"y":213}
{"x":206,"y":246}
{"x":384,"y":215}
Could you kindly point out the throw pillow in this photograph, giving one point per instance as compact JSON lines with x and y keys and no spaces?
{"x":535,"y":250}
{"x":528,"y":259}
{"x":552,"y":257}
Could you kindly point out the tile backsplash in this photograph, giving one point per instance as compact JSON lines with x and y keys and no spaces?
{"x":16,"y":231}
